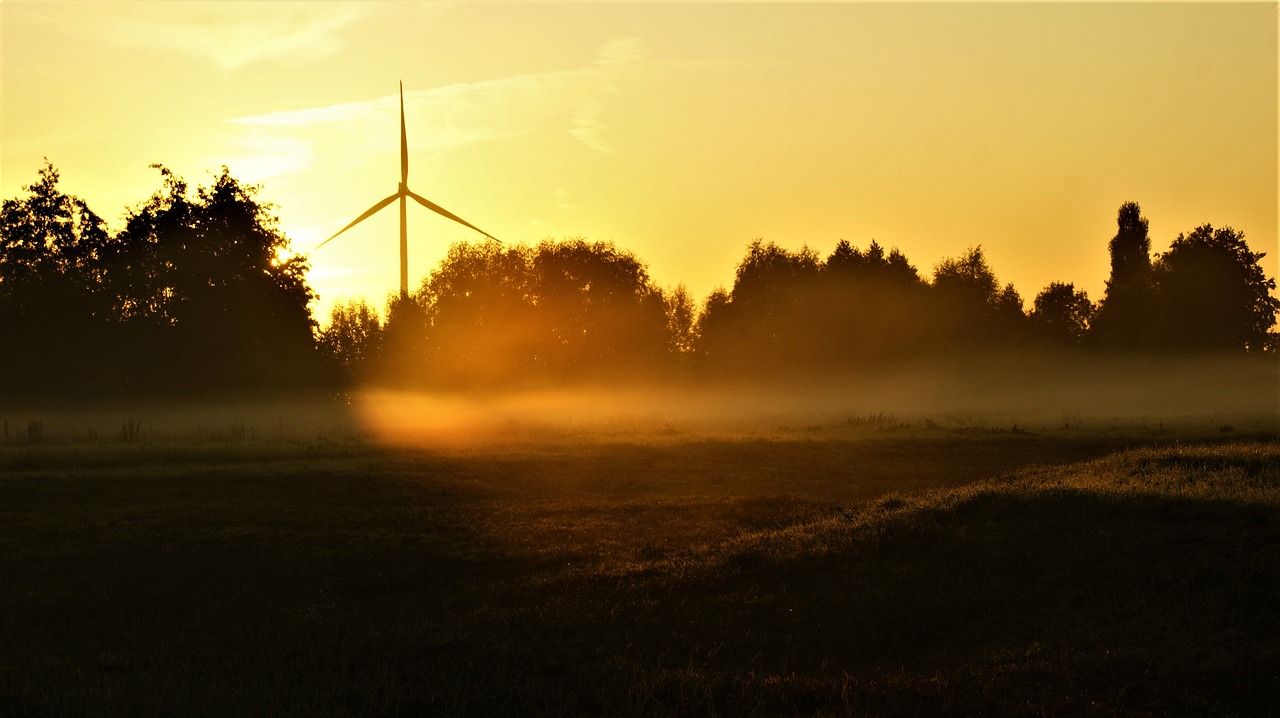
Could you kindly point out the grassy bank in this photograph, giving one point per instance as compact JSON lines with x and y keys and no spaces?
{"x":829,"y":570}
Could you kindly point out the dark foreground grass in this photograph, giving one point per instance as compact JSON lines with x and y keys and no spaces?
{"x":977,"y":574}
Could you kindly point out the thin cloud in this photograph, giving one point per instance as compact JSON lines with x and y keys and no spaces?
{"x":587,"y":127}
{"x":236,"y":35}
{"x":564,"y":199}
{"x":451,"y":116}
{"x":265,"y":154}
{"x":620,"y":52}
{"x":611,"y":62}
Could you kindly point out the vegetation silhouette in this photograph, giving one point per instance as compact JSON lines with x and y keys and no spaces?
{"x":872,"y":301}
{"x":971,"y":310}
{"x":497,"y":314}
{"x":196,"y":295}
{"x":1061,"y":315}
{"x":55,"y":289}
{"x":199,"y":293}
{"x":1213,"y":294}
{"x":353,"y":337}
{"x":1124,"y":319}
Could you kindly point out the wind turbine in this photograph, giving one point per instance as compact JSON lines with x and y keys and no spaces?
{"x":401,"y":194}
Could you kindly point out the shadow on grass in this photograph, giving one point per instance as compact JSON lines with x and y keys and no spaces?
{"x":408,"y":583}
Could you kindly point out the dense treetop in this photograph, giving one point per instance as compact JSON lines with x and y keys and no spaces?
{"x":196,"y":294}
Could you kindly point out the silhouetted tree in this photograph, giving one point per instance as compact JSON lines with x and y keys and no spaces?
{"x":1213,"y":294}
{"x":480,"y":314}
{"x":966,"y":281}
{"x":572,"y":309}
{"x":765,"y":322}
{"x":200,"y":292}
{"x":1126,"y":315}
{"x":49,"y":237}
{"x":790,"y":313}
{"x":970,"y":310}
{"x":682,"y":318}
{"x":1008,"y":316}
{"x":1131,"y":247}
{"x":353,"y":338}
{"x":716,"y":328}
{"x":211,"y":295}
{"x":871,"y":306}
{"x":1061,"y":314}
{"x":55,"y":307}
{"x":771,"y":279}
{"x":406,"y":357}
{"x":598,"y":308}
{"x":872,"y":266}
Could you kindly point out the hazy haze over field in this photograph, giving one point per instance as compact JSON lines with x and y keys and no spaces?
{"x":1018,"y":390}
{"x":1014,"y":390}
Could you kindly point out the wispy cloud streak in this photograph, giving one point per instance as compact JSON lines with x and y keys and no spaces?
{"x":455,"y":115}
{"x":236,"y":35}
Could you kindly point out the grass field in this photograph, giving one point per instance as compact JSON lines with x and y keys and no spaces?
{"x":866,"y":567}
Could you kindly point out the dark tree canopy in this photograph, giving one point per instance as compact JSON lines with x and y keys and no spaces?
{"x":870,"y":306}
{"x":1061,"y":314}
{"x":479,"y":320}
{"x":970,"y":309}
{"x":597,"y":306}
{"x":715,"y":329}
{"x":195,"y":294}
{"x":682,"y":322}
{"x":772,"y":278}
{"x":55,"y":299}
{"x":210,"y":280}
{"x":496,"y":314}
{"x":766,"y":319}
{"x":50,"y":237}
{"x":966,"y":281}
{"x":871,"y":266}
{"x":1213,"y":294}
{"x":406,"y":356}
{"x":789,"y":312}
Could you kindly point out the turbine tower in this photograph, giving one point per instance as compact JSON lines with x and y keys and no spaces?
{"x":402,"y":194}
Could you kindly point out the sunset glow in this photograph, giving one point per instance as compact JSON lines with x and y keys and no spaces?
{"x":680,"y":132}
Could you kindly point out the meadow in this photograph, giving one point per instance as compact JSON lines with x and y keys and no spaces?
{"x":864,"y":566}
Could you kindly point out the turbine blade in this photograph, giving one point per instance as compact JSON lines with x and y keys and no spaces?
{"x":404,"y":144}
{"x":367,"y":214}
{"x":446,"y":213}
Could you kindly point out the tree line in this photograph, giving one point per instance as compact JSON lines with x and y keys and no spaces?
{"x":573,"y":309}
{"x":199,"y":292}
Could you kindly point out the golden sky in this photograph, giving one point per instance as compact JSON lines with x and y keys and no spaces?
{"x":678,"y":131}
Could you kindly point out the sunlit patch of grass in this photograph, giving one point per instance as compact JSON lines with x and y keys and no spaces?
{"x":1123,"y":582}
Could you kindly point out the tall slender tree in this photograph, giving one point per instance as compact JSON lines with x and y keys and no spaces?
{"x":1127,"y":313}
